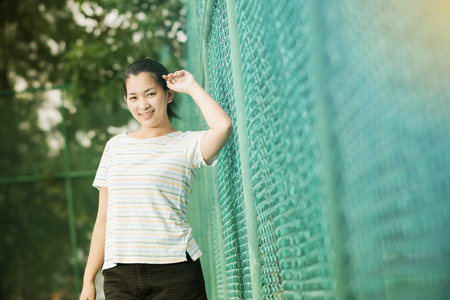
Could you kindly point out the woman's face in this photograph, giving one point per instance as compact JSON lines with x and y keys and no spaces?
{"x":147,"y":101}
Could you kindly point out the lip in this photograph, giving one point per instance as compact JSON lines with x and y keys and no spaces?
{"x":147,"y":115}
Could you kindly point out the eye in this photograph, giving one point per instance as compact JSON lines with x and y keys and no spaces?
{"x":132,"y":98}
{"x":151,"y":94}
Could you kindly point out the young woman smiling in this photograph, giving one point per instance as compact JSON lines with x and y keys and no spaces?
{"x":141,"y":235}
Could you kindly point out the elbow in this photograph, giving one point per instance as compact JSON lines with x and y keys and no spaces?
{"x":224,"y":128}
{"x":228,"y":128}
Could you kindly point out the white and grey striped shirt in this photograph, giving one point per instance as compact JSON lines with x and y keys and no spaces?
{"x":149,"y":181}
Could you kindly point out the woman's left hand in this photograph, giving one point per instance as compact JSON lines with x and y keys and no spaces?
{"x":180,"y":81}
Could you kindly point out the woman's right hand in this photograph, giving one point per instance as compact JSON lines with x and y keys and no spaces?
{"x":96,"y":252}
{"x":88,"y":292}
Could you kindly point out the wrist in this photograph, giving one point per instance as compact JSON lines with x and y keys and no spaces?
{"x":89,"y":279}
{"x":194,"y":89}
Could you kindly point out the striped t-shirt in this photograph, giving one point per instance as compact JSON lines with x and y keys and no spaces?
{"x":149,"y":181}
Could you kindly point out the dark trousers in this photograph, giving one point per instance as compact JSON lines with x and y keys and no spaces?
{"x":182,"y":280}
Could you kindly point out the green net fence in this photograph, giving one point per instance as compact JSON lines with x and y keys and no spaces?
{"x":335,"y":183}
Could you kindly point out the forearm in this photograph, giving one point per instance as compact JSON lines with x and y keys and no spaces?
{"x":215,"y":116}
{"x":96,"y":252}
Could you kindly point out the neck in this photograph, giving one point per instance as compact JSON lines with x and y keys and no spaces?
{"x":145,"y":132}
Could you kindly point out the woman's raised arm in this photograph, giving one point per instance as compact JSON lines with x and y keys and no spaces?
{"x":220,"y":124}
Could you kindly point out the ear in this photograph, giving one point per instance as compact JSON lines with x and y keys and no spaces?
{"x":125,"y":98}
{"x":169,"y":95}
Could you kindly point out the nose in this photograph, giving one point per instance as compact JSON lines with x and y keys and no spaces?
{"x":143,"y":104}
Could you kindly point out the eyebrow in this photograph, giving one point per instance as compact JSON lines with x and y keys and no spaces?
{"x":147,"y":90}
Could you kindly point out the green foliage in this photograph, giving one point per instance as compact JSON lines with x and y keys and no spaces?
{"x":33,"y":216}
{"x":86,"y":43}
{"x":34,"y":36}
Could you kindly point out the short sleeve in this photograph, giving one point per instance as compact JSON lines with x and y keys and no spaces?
{"x":191,"y":148}
{"x":100,"y":176}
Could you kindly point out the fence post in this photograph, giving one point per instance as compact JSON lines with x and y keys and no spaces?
{"x":331,"y":172}
{"x":249,"y":201}
{"x":69,"y":198}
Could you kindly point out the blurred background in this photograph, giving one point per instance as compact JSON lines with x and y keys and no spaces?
{"x":60,"y":101}
{"x":334,"y":185}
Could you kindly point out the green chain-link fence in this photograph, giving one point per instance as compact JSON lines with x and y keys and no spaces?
{"x":336,"y":181}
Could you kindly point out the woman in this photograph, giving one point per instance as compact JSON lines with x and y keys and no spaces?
{"x":141,"y":235}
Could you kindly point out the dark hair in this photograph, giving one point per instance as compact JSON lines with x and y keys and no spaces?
{"x":156,"y":70}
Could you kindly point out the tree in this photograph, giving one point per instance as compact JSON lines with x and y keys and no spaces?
{"x":34,"y":36}
{"x":34,"y":247}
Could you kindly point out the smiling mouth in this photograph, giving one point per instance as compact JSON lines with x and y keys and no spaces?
{"x":147,"y":115}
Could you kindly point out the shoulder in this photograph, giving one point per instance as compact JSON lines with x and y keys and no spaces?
{"x":118,"y":139}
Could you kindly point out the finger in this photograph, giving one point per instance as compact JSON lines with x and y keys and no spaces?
{"x":169,"y":78}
